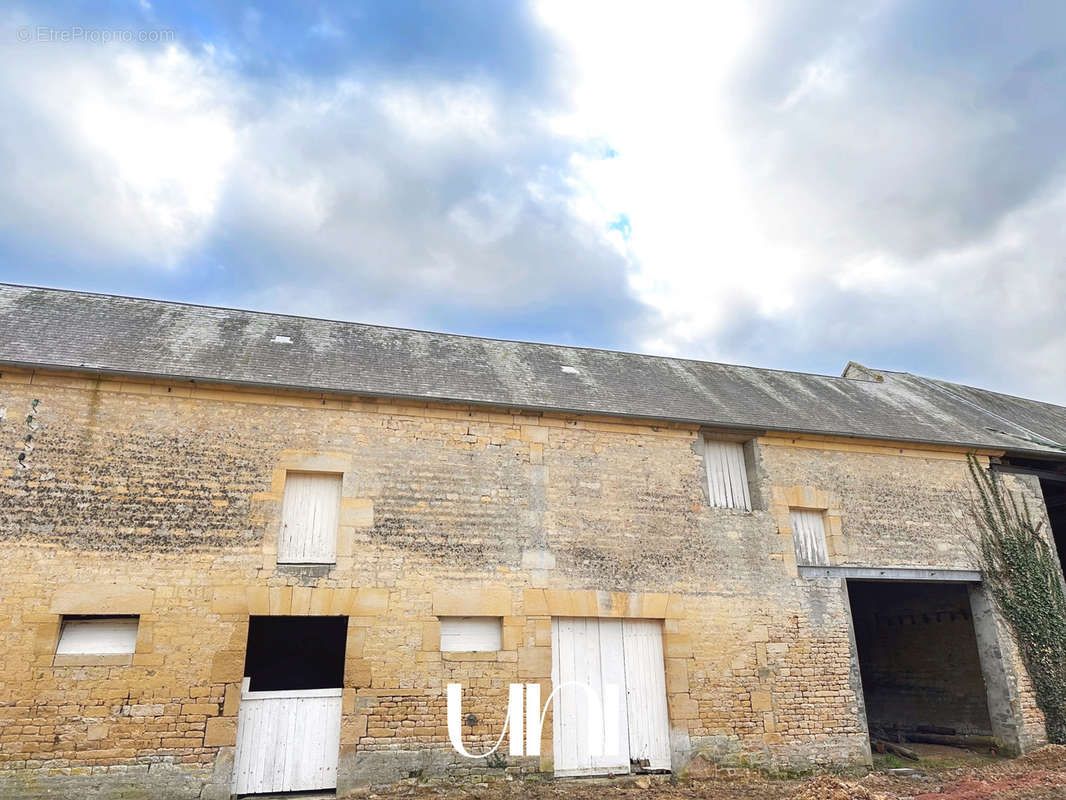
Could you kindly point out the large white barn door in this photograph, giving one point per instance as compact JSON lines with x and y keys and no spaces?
{"x":649,"y":725}
{"x":621,"y":664}
{"x":287,"y":741}
{"x":588,"y":679}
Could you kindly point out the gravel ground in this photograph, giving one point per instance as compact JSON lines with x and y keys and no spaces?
{"x":944,"y":773}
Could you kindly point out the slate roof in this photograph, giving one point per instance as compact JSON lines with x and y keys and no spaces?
{"x":50,"y":328}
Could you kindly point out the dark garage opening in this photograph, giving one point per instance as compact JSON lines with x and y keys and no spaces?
{"x":1055,"y":500}
{"x":295,"y":653}
{"x":921,"y":674}
{"x":1052,"y":477}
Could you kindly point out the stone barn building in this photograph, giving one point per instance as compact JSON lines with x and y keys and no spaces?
{"x":246,"y":553}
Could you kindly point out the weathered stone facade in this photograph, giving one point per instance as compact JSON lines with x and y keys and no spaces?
{"x":163,"y":500}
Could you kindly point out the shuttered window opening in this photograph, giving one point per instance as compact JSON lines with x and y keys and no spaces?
{"x":727,"y":474}
{"x":808,"y":534}
{"x":470,"y":634}
{"x":97,"y":636}
{"x":309,"y":516}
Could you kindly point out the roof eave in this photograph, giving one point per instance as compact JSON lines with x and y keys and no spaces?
{"x":422,"y":398}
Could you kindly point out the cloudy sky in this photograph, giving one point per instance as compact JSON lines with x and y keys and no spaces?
{"x":789,"y":185}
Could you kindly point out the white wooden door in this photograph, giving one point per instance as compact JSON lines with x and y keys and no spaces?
{"x":610,"y":657}
{"x":649,"y":724}
{"x":287,"y":741}
{"x":588,"y":711}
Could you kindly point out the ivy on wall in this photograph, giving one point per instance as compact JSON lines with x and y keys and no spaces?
{"x":1022,"y":574}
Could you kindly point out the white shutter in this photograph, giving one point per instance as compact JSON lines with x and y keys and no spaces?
{"x":808,"y":534}
{"x":470,"y":634}
{"x":649,"y":723}
{"x":97,"y":636}
{"x":309,"y":515}
{"x":727,"y":476}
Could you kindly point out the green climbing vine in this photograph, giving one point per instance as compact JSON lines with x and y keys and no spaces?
{"x":1022,"y":574}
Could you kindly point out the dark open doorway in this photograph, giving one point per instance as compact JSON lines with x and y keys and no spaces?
{"x":918,"y":657}
{"x":1055,"y":500}
{"x":1052,"y":477}
{"x":295,"y":653}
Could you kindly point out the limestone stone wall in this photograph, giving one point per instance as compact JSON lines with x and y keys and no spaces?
{"x":164,"y":499}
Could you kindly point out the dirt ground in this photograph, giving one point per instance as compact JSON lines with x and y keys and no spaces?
{"x":944,"y":773}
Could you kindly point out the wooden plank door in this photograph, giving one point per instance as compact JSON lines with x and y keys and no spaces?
{"x":588,"y":663}
{"x":645,"y":675}
{"x":287,"y":741}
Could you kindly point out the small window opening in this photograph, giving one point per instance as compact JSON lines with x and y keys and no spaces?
{"x":470,"y":634}
{"x":101,"y":635}
{"x":295,"y":653}
{"x":727,"y":474}
{"x":808,"y":535}
{"x":310,"y":514}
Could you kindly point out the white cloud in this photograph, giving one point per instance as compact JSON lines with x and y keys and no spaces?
{"x":654,"y":85}
{"x":784,"y":174}
{"x":428,"y":113}
{"x":362,"y":195}
{"x":112,"y":151}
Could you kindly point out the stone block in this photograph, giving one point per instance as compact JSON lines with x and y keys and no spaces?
{"x":761,"y":701}
{"x":676,"y":675}
{"x":203,"y":709}
{"x":682,"y":706}
{"x":102,"y":598}
{"x":229,"y":600}
{"x":231,"y":700}
{"x":534,"y":602}
{"x":534,"y":662}
{"x":357,"y":512}
{"x":357,"y":673}
{"x":472,"y":602}
{"x":431,"y":636}
{"x":301,"y":600}
{"x":321,"y":600}
{"x":543,"y":632}
{"x":355,"y":642}
{"x":258,"y":598}
{"x":512,"y":637}
{"x":227,"y":666}
{"x":677,"y":645}
{"x":353,"y":728}
{"x":653,"y":606}
{"x":221,"y":732}
{"x":370,"y":602}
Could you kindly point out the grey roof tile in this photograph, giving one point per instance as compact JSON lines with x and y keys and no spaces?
{"x":122,"y":335}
